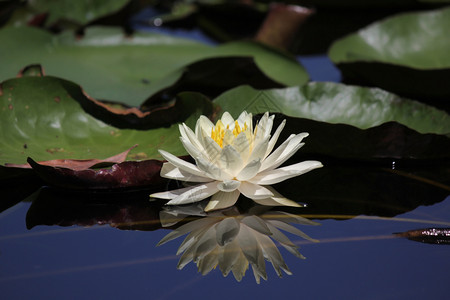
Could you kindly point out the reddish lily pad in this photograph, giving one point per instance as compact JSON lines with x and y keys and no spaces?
{"x":78,"y":164}
{"x":129,"y":174}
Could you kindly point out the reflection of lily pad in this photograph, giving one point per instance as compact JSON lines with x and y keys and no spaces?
{"x":344,"y":191}
{"x":408,"y":54}
{"x":40,"y":119}
{"x":112,"y":66}
{"x":122,"y":210}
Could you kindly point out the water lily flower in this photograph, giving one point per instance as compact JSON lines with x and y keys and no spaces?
{"x":231,"y":159}
{"x":234,"y":241}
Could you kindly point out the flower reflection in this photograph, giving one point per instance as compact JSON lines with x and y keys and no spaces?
{"x":233,"y":241}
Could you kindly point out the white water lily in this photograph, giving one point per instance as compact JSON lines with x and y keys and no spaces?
{"x":233,"y":158}
{"x":234,"y":241}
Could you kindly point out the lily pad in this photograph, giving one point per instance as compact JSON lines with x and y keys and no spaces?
{"x":40,"y":119}
{"x":350,"y":122}
{"x":115,"y":67}
{"x":78,"y":164}
{"x":211,"y":77}
{"x":129,"y":174}
{"x":337,"y":104}
{"x":80,"y":12}
{"x":367,"y":4}
{"x":408,"y":54}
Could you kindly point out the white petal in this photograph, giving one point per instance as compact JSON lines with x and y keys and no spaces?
{"x":249,"y":171}
{"x":227,"y":119}
{"x":203,"y":128}
{"x":212,"y":149}
{"x":283,"y":152}
{"x":273,"y":201}
{"x":242,"y":145}
{"x":195,"y":194}
{"x":269,"y":126}
{"x":245,"y":117}
{"x":274,"y":138}
{"x":261,"y":128}
{"x":204,"y":124}
{"x":231,"y":161}
{"x":228,"y":138}
{"x":259,"y":149}
{"x":254,"y":191}
{"x":189,"y":135}
{"x":276,"y":200}
{"x":190,"y":148}
{"x":181,"y":164}
{"x":278,"y":175}
{"x":212,"y":170}
{"x":228,"y":185}
{"x":222,"y":200}
{"x":170,"y":194}
{"x":170,"y":171}
{"x":227,"y":230}
{"x":265,"y":126}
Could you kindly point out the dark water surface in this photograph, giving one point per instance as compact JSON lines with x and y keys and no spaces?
{"x":356,"y":258}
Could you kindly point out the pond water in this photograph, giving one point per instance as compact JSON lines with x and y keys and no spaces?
{"x":60,"y":245}
{"x":355,"y":258}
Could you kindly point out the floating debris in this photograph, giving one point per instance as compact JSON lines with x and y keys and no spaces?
{"x":439,"y":236}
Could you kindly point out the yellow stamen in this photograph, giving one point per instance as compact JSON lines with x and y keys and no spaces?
{"x":218,"y":131}
{"x":237,"y":128}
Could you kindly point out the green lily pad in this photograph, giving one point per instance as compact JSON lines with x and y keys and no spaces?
{"x":80,"y":12}
{"x":211,"y":77}
{"x":338,"y":104}
{"x":349,"y":122}
{"x":408,"y":54}
{"x":367,"y":4}
{"x":40,"y":119}
{"x":112,"y":66}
